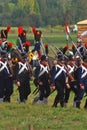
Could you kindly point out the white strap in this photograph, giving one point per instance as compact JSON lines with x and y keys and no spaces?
{"x":60,"y":71}
{"x":22,"y":66}
{"x":43,"y":69}
{"x":71,"y":69}
{"x":4,"y":66}
{"x":3,"y":44}
{"x":84,"y":71}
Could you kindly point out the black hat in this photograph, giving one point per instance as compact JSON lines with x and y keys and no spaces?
{"x":3,"y":53}
{"x":23,"y":54}
{"x":60,"y":56}
{"x":43,"y":58}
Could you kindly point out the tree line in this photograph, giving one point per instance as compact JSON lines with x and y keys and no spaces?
{"x":41,"y":13}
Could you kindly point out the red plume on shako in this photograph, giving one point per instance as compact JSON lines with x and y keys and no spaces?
{"x":65,"y":49}
{"x":46,"y":48}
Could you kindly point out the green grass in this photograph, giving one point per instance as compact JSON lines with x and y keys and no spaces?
{"x":15,"y":116}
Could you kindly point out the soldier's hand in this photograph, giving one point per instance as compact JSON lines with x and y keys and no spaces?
{"x":82,"y":86}
{"x":18,"y":83}
{"x":40,"y":83}
{"x":68,"y":86}
{"x":53,"y":86}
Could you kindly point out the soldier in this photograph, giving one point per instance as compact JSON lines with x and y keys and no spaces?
{"x":81,"y":50}
{"x":37,"y":37}
{"x":59,"y":80}
{"x":22,"y":43}
{"x":22,"y":77}
{"x":81,"y":76}
{"x":4,"y":36}
{"x":85,"y":65}
{"x":70,"y":67}
{"x":6,"y":87}
{"x":42,"y":80}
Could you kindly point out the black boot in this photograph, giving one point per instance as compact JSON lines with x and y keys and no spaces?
{"x":55,"y":103}
{"x":7,"y":99}
{"x":62,"y":103}
{"x":78,"y":104}
{"x":85,"y":106}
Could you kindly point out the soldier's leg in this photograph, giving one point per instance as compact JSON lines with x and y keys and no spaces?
{"x":8,"y":90}
{"x":41,"y":94}
{"x":61,"y":95}
{"x":79,"y":97}
{"x":56,"y":100}
{"x":67,"y":95}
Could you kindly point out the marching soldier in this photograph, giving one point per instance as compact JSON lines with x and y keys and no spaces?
{"x":37,"y":37}
{"x":22,"y":43}
{"x":42,"y":80}
{"x":70,"y":67}
{"x":6,"y":87}
{"x":81,"y":76}
{"x":22,"y":76}
{"x":80,"y":48}
{"x":59,"y":80}
{"x":85,"y":65}
{"x":4,"y":36}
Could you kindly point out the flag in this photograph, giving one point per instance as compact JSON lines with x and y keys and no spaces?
{"x":67,"y":31}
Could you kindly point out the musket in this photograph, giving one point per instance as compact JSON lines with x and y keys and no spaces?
{"x":35,"y":90}
{"x":61,"y":52}
{"x":85,"y":95}
{"x":52,"y":92}
{"x":43,"y":47}
{"x":67,"y":71}
{"x":21,"y":44}
{"x":53,"y":50}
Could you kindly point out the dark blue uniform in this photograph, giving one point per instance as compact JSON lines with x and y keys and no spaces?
{"x":42,"y":79}
{"x":21,"y":74}
{"x":6,"y":82}
{"x":58,"y":80}
{"x":81,"y":81}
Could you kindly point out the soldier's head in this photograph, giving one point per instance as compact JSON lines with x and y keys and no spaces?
{"x":78,"y":61}
{"x":24,"y":56}
{"x":79,"y":41}
{"x":44,"y":60}
{"x":3,"y":54}
{"x":60,"y":57}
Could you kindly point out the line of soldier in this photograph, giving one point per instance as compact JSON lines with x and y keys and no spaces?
{"x":66,"y":75}
{"x":15,"y":67}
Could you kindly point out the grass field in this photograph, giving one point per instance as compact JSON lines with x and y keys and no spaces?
{"x":15,"y":116}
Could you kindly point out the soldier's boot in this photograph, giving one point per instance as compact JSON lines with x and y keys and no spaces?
{"x":55,"y":103}
{"x":85,"y":106}
{"x":40,"y":102}
{"x":74,"y":104}
{"x":78,"y":104}
{"x":62,"y":103}
{"x":7,"y":99}
{"x":65,"y":104}
{"x":1,"y":100}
